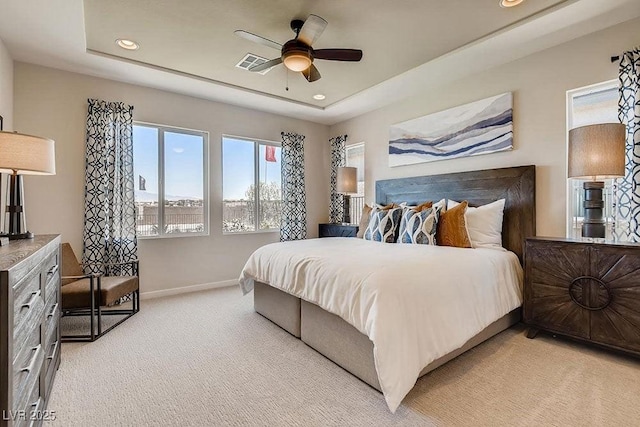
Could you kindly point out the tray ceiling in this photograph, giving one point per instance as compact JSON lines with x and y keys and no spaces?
{"x":188,"y":47}
{"x":196,"y":37}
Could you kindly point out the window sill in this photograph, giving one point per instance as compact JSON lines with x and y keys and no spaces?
{"x":244,"y":233}
{"x":173,"y":236}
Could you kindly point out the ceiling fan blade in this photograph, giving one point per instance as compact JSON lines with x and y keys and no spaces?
{"x":257,"y":39}
{"x":266,"y":65}
{"x":312,"y":29}
{"x":338,"y":54}
{"x":311,"y":74}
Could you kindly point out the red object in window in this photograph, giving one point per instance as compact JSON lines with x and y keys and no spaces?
{"x":270,"y":153}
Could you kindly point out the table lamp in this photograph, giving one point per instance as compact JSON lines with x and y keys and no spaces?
{"x":23,"y":155}
{"x":596,"y":152}
{"x":347,"y":183}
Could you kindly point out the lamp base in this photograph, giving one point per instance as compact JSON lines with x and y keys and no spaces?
{"x":346,"y":205}
{"x":25,"y":235}
{"x":593,"y":224}
{"x":17,"y":222}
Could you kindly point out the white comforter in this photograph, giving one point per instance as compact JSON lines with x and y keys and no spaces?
{"x":416,"y":303}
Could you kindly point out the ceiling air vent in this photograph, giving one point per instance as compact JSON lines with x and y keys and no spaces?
{"x":250,"y":60}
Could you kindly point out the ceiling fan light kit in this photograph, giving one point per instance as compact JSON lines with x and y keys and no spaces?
{"x":298,"y":54}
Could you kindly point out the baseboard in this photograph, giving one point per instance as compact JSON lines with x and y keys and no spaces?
{"x":187,"y":289}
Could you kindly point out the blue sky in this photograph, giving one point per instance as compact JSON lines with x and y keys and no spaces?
{"x":238,"y":167}
{"x":183,"y":164}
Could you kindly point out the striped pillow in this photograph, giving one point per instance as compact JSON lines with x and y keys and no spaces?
{"x":419,"y":226}
{"x":383,"y":225}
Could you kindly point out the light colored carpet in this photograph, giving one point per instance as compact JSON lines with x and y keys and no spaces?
{"x":207,"y":359}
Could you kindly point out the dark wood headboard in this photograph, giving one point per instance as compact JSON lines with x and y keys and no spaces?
{"x":516,"y":185}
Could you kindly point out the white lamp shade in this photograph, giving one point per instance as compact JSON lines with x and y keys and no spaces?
{"x":26,"y":154}
{"x":597,"y":151}
{"x":347,"y":180}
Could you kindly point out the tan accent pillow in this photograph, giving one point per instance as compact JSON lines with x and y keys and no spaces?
{"x":421,"y":207}
{"x":452,"y":228}
{"x":364,"y":221}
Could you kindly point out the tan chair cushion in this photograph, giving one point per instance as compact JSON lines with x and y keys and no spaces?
{"x":70,"y":264}
{"x":78,"y":295}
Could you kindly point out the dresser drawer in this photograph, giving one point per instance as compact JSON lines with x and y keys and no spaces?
{"x":26,"y":369}
{"x":51,"y":290}
{"x":52,"y":312}
{"x":50,"y":274}
{"x":51,"y":323}
{"x":34,"y":405}
{"x":27,"y":294}
{"x":31,"y":324}
{"x":50,"y":362}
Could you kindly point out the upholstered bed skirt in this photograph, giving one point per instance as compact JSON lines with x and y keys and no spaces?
{"x":339,"y":341}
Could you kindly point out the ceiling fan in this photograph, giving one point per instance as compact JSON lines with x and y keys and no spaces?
{"x":297,"y":54}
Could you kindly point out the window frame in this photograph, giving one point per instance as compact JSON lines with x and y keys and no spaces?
{"x":161,"y":179}
{"x":257,"y":142}
{"x":571,"y":95}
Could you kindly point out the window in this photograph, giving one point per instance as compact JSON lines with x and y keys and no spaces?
{"x":246,"y":165}
{"x":355,"y":158}
{"x":587,"y":106}
{"x":171,"y":181}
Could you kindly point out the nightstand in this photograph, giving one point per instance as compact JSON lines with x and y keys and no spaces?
{"x":582,"y":290}
{"x":337,"y":230}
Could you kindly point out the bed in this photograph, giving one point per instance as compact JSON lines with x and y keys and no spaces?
{"x":386,"y":327}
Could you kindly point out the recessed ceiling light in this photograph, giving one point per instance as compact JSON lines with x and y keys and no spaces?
{"x":319,"y":96}
{"x":510,"y":3}
{"x":127,"y":44}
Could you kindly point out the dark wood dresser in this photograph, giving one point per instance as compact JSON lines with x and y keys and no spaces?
{"x":29,"y":328}
{"x":337,"y":230}
{"x":586,"y":291}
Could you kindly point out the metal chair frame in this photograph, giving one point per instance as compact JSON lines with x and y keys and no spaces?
{"x":95,"y":310}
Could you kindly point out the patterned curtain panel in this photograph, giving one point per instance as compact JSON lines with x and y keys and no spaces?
{"x":338,"y":159}
{"x":628,"y":188}
{"x":109,"y":215}
{"x":294,"y":203}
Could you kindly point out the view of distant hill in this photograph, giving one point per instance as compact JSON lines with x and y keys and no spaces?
{"x":147,"y":197}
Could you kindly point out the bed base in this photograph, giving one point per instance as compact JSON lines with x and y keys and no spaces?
{"x":281,"y":308}
{"x":340,"y":342}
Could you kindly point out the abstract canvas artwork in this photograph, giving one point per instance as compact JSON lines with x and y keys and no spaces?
{"x":481,"y":127}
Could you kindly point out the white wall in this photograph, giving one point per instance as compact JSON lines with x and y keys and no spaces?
{"x":53,"y":103}
{"x":539,"y":83}
{"x":6,"y":87}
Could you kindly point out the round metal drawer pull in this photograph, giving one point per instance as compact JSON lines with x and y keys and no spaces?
{"x":601,"y":283}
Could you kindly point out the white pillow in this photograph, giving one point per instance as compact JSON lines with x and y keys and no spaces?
{"x":484,"y":224}
{"x":441,"y":205}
